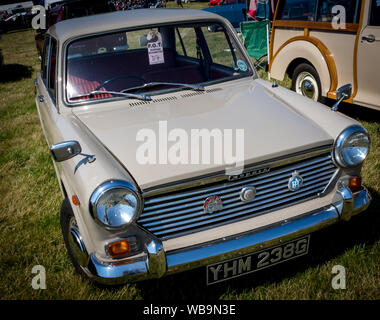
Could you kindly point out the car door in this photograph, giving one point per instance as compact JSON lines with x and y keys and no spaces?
{"x":46,"y":90}
{"x":368,"y":66}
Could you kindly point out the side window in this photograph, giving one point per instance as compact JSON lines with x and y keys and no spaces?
{"x":52,"y":68}
{"x":219,"y":47}
{"x":45,"y":59}
{"x":297,"y":10}
{"x":186,"y":42}
{"x":352,"y":10}
{"x":375,"y":13}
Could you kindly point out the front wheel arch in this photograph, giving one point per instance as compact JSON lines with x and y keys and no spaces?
{"x":71,"y":235}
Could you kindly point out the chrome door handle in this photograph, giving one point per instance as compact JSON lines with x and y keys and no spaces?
{"x":41,"y":98}
{"x":371,"y":38}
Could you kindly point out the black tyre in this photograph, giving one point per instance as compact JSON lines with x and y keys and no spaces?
{"x":73,"y":239}
{"x":305,"y":81}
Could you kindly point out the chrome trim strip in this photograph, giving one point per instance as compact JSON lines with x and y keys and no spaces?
{"x":330,"y":185}
{"x":221,"y":175}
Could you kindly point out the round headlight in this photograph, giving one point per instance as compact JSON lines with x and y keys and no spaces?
{"x":352,"y":146}
{"x":115,"y":204}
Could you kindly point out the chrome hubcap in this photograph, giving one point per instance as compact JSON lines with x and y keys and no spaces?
{"x":308,"y":89}
{"x":307,"y":86}
{"x":76,"y":244}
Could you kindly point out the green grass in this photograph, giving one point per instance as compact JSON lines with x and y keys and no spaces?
{"x":30,"y":232}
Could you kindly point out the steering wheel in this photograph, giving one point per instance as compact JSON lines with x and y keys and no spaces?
{"x":122,"y":76}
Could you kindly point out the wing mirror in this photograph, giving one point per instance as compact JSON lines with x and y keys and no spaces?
{"x":65,"y":150}
{"x":343,"y":93}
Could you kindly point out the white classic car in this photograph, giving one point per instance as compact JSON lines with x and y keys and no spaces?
{"x":135,"y":107}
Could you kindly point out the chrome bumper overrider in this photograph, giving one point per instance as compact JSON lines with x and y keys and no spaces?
{"x":156,"y":263}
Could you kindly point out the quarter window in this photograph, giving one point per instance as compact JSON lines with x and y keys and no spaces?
{"x":52,"y":67}
{"x":375,"y":13}
{"x":186,"y":42}
{"x":45,"y":59}
{"x":222,"y":52}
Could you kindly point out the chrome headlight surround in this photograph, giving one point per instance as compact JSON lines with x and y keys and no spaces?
{"x":352,"y":147}
{"x":115,"y":204}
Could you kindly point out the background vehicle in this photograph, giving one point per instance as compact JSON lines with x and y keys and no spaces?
{"x":15,"y":18}
{"x":214,"y":3}
{"x":49,"y":4}
{"x":63,"y":10}
{"x":233,"y":10}
{"x":320,"y":56}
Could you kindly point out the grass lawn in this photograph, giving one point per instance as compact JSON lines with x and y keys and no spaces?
{"x":30,"y":232}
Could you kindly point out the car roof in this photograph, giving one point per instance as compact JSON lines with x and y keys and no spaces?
{"x":76,"y":27}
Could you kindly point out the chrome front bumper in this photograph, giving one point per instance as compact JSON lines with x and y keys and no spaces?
{"x":156,"y":263}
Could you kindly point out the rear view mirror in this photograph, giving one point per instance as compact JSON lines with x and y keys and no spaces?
{"x":65,"y":150}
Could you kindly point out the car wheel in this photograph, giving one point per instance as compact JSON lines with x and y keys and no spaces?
{"x":73,"y":239}
{"x":305,"y":81}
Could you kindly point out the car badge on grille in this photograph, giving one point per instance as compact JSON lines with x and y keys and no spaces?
{"x":212,"y":204}
{"x":247,"y":194}
{"x":295,"y":182}
{"x":249,"y":174}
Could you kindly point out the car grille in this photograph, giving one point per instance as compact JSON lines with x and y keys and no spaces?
{"x":181,"y":212}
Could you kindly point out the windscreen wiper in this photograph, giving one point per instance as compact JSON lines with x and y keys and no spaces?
{"x":121,"y":93}
{"x":153,"y":84}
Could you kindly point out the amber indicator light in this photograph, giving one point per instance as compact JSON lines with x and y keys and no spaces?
{"x":75,"y":200}
{"x":119,"y":248}
{"x":355,"y":183}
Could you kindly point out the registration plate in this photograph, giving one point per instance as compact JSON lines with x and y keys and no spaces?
{"x":252,"y":262}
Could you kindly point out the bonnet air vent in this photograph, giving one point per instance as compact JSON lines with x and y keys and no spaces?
{"x":173,"y":98}
{"x":213,"y":90}
{"x":197,"y":93}
{"x":139,"y":103}
{"x":192,"y":94}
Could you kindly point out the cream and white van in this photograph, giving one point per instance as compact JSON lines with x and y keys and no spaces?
{"x":324,"y":44}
